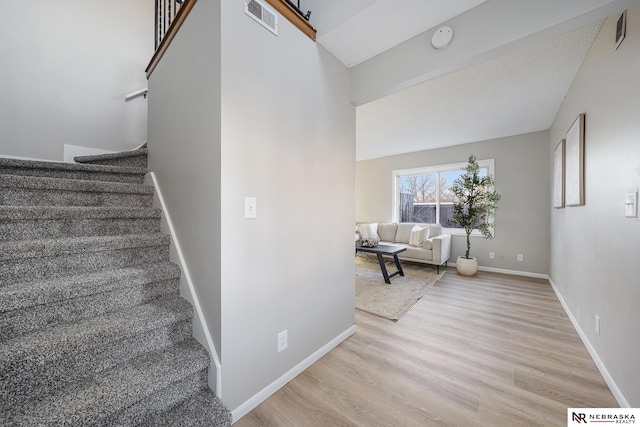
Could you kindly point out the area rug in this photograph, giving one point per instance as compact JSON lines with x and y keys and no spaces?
{"x":392,"y":301}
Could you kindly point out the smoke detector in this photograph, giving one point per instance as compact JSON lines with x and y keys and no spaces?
{"x":442,"y":37}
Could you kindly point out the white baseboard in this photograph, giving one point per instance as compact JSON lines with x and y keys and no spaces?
{"x":514,"y":272}
{"x":505,"y":271}
{"x":617,"y":393}
{"x":263,"y":394}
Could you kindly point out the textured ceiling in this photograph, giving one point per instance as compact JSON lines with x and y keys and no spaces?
{"x":517,"y":93}
{"x":386,"y":23}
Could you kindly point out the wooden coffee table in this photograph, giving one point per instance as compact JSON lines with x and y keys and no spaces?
{"x":385,"y":250}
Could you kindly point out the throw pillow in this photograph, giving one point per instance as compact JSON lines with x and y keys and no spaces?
{"x":369,"y":231}
{"x":403,"y":234}
{"x":418,"y":235}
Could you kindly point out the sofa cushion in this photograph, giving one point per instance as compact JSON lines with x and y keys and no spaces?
{"x":417,"y":254}
{"x":418,"y":235}
{"x":369,"y":231}
{"x":427,"y":244}
{"x":435,"y":230}
{"x":404,"y":232}
{"x":387,"y":231}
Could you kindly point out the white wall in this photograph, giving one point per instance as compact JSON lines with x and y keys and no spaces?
{"x":235,"y":111}
{"x":522,"y":179}
{"x":288,"y":139}
{"x":594,"y":248}
{"x":66,"y":68}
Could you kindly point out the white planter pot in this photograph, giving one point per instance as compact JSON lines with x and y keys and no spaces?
{"x":467,"y":267}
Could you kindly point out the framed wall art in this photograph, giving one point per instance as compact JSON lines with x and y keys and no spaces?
{"x":558,"y":176}
{"x":574,"y":163}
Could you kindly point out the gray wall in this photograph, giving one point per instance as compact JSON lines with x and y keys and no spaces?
{"x":594,"y":248}
{"x":288,"y":139}
{"x":522,"y":178}
{"x":65,"y":70}
{"x":184,"y":149}
{"x":235,"y":111}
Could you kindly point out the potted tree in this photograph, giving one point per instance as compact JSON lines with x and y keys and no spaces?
{"x":473,"y":209}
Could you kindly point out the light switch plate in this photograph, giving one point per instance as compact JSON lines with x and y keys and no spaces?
{"x":631,"y":205}
{"x":250,"y":207}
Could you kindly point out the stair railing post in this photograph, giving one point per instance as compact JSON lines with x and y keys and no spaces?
{"x":166,"y":11}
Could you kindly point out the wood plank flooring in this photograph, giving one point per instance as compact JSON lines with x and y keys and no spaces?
{"x":490,"y":350}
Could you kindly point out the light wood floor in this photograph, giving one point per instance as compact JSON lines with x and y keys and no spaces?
{"x":492,"y":350}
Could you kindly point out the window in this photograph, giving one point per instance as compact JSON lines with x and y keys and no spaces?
{"x":424,"y":194}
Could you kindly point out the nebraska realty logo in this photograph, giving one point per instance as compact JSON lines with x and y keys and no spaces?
{"x":580,"y":416}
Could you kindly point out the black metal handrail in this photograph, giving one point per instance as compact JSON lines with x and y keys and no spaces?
{"x":299,"y":11}
{"x":166,"y":11}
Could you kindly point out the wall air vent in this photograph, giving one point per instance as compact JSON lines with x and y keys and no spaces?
{"x":263,"y":14}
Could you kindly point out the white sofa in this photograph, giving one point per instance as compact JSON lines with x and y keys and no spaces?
{"x":428,"y":244}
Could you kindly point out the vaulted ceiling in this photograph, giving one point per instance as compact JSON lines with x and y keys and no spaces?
{"x":515,"y":93}
{"x":506,"y":71}
{"x":384,"y":24}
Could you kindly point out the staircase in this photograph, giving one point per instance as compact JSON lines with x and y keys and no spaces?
{"x":93,"y":331}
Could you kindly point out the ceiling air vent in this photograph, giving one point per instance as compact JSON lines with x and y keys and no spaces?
{"x":262,"y":14}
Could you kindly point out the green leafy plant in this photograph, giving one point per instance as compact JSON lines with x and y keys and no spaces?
{"x":475,"y":202}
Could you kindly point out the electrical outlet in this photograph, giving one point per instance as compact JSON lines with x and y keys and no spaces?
{"x":492,"y":255}
{"x":501,"y":257}
{"x":520,"y":257}
{"x":597,"y":324}
{"x":282,"y":341}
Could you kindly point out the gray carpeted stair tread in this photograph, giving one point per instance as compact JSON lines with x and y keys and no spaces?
{"x":110,"y":156}
{"x":92,"y":328}
{"x":41,"y":191}
{"x":76,"y":212}
{"x":124,"y":158}
{"x":22,"y":322}
{"x":160,"y":401}
{"x":44,"y":362}
{"x":41,"y":183}
{"x":203,"y":409}
{"x":37,"y":191}
{"x":43,"y":292}
{"x":56,"y":247}
{"x":47,"y":222}
{"x":50,"y":258}
{"x":83,"y":171}
{"x":29,"y":307}
{"x":35,"y":349}
{"x":98,"y":401}
{"x":52,"y":378}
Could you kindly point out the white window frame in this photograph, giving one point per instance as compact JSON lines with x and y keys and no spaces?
{"x":489,"y":164}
